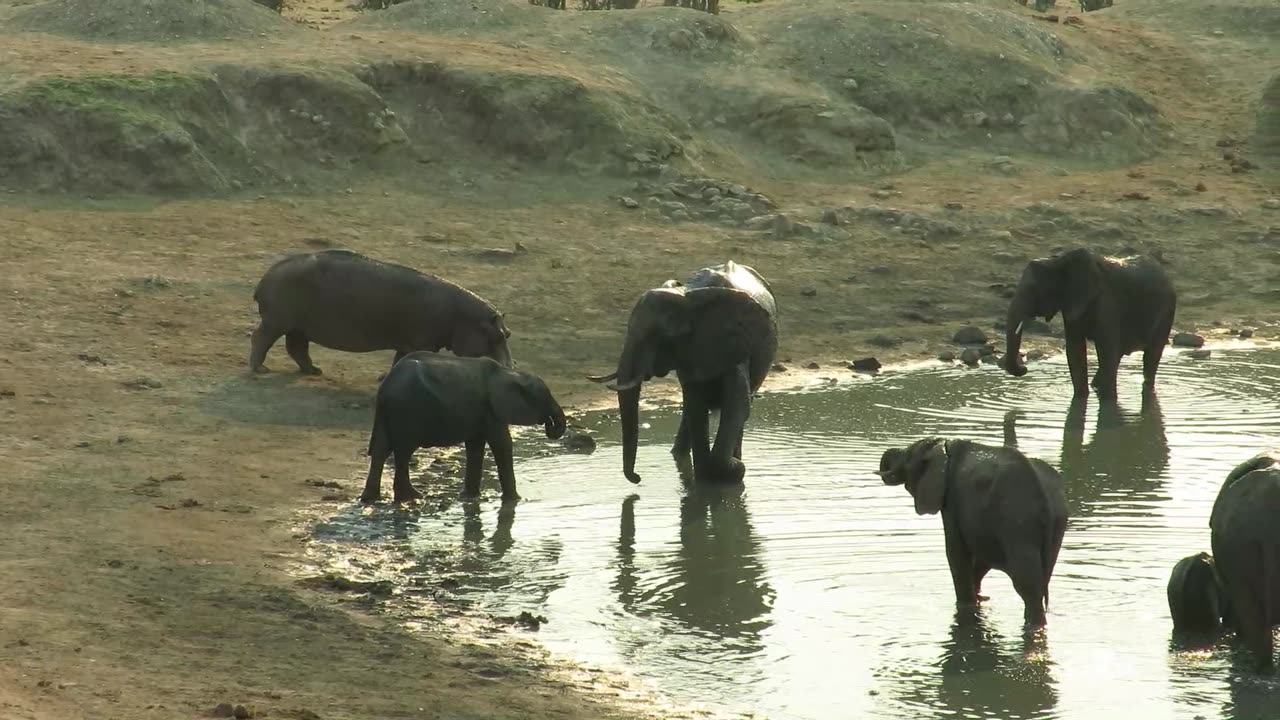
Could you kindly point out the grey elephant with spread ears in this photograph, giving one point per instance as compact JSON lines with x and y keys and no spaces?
{"x":433,"y":400}
{"x":1245,"y":538}
{"x":1122,"y":304}
{"x":1000,"y":510}
{"x":718,"y":332}
{"x":345,"y":301}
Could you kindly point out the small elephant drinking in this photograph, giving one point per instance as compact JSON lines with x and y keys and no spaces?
{"x":1000,"y":510}
{"x":1121,"y":304}
{"x":1245,"y":537}
{"x":433,"y":400}
{"x":346,"y":301}
{"x":719,"y":332}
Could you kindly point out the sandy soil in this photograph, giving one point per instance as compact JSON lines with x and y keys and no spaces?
{"x":156,"y":484}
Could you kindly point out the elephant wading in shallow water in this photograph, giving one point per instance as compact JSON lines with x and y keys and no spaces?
{"x":1244,"y":532}
{"x":343,"y":300}
{"x":1196,"y":601}
{"x":433,"y":400}
{"x":1121,"y":304}
{"x":1000,"y":510}
{"x":718,"y":331}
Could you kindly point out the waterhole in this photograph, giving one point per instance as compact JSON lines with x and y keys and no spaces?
{"x":814,"y":591}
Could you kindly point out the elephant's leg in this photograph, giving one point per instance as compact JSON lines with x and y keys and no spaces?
{"x":379,"y":449}
{"x":696,"y":414}
{"x":474,"y":469}
{"x":960,"y":560}
{"x":735,"y":410}
{"x":1104,"y":382}
{"x":1078,"y":363}
{"x":1028,"y":579}
{"x":500,"y":444}
{"x":980,"y":570}
{"x":680,"y":448}
{"x":263,"y":338}
{"x":296,"y":343}
{"x":1252,"y":624}
{"x":1154,"y":351}
{"x":402,"y":488}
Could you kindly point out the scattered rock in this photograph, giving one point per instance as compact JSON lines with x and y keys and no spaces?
{"x":1034,"y":326}
{"x":1210,"y":211}
{"x":91,"y":359}
{"x":578,"y":442}
{"x":142,"y":384}
{"x":628,"y":203}
{"x":1201,"y":354}
{"x":1135,"y":195}
{"x":881,"y":194}
{"x":809,"y":292}
{"x":1201,"y":187}
{"x":866,"y":364}
{"x":242,"y":713}
{"x":83,"y":444}
{"x":1245,"y":333}
{"x":954,"y":206}
{"x":812,"y":366}
{"x":526,"y":619}
{"x":778,"y":367}
{"x":1190,"y":340}
{"x":850,"y":84}
{"x":830,"y":217}
{"x":1271,"y":204}
{"x":947,"y":356}
{"x":970,"y":356}
{"x":970,"y":335}
{"x":330,"y":484}
{"x":1035,"y":355}
{"x":223,"y":710}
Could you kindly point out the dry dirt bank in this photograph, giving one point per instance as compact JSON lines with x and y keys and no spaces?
{"x":156,"y":483}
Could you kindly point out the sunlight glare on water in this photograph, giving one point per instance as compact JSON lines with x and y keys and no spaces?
{"x":816,"y":591}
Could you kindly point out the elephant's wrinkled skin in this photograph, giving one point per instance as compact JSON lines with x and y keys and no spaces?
{"x":718,"y":331}
{"x":1196,"y":602}
{"x":433,"y":400}
{"x":346,"y":301}
{"x":1245,"y":536}
{"x":1000,"y":510}
{"x":1121,"y":304}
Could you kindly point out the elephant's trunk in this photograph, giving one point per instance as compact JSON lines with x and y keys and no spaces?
{"x":555,"y":424}
{"x":1013,"y":337}
{"x":629,"y":409}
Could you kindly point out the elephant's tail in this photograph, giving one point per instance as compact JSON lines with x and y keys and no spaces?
{"x":1048,"y":558}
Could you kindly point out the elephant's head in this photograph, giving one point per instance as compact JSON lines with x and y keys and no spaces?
{"x":1197,"y":602}
{"x":521,"y":398}
{"x":484,"y":336}
{"x":922,"y":467}
{"x":1066,"y":283}
{"x":700,"y":332}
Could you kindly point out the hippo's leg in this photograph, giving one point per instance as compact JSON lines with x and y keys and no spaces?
{"x":264,"y":336}
{"x":296,"y":343}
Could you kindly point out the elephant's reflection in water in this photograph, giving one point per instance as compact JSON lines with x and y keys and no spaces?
{"x":1128,"y":452}
{"x":981,"y":674}
{"x":714,"y":581}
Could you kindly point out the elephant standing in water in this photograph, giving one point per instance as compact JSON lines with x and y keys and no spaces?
{"x":1196,"y":601}
{"x":1244,"y":531}
{"x":1000,"y":510}
{"x":346,"y":301}
{"x":718,"y":331}
{"x":1121,"y":304}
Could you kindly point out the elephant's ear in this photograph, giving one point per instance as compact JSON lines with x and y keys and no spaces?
{"x":729,"y":327}
{"x":1082,"y":281}
{"x":512,"y":398}
{"x":930,"y":472}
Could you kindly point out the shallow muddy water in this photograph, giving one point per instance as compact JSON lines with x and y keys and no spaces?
{"x":816,"y":592}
